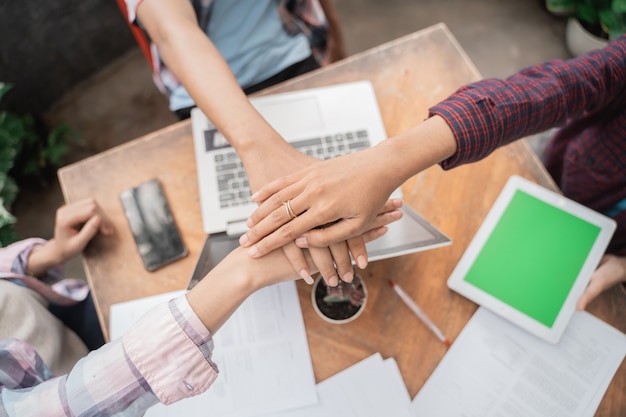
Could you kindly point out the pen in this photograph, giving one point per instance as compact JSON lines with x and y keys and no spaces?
{"x":419,"y":313}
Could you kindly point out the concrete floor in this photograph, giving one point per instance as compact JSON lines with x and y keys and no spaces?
{"x":122,"y":103}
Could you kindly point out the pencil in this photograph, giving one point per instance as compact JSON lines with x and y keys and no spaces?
{"x":419,"y":313}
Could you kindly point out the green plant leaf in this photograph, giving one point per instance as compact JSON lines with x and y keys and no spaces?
{"x":4,"y":87}
{"x":588,"y":12}
{"x":8,"y":235}
{"x":5,"y":216}
{"x":8,"y":190}
{"x":57,"y":145}
{"x":12,"y":129}
{"x":618,"y":6}
{"x":613,"y":23}
{"x":7,"y":158}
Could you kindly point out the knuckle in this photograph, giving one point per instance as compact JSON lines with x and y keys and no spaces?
{"x":92,"y":206}
{"x":252,"y":234}
{"x":287,"y":233}
{"x":327,"y":272}
{"x":297,"y":262}
{"x":275,"y":199}
{"x":276,"y":216}
{"x":356,"y":243}
{"x":343,"y":264}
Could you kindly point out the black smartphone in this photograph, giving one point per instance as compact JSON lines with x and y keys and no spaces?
{"x":152,"y":224}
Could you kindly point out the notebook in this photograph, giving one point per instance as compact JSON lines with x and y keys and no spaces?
{"x":532,"y":257}
{"x":323,"y":122}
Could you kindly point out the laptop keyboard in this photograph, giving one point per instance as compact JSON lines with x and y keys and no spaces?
{"x":233,"y":185}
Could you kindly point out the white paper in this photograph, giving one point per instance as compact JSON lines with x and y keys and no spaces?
{"x":495,"y":368}
{"x":261,"y":351}
{"x":370,"y":388}
{"x":123,"y":315}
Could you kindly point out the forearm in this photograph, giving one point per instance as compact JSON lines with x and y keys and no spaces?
{"x":221,"y":292}
{"x":334,"y":25}
{"x":33,"y":256}
{"x":165,"y":356}
{"x":42,"y":258}
{"x":415,"y":150}
{"x":199,"y":66}
{"x":218,"y":294}
{"x":491,"y":113}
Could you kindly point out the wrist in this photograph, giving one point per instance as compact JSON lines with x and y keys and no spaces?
{"x":42,"y":258}
{"x":252,"y":143}
{"x":221,"y":291}
{"x":419,"y":148}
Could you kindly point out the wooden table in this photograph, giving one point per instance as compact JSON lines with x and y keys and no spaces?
{"x":409,"y":75}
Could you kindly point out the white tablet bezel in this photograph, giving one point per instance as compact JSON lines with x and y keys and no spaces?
{"x":458,"y":283}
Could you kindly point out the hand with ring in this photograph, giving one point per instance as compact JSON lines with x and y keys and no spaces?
{"x":266,"y":163}
{"x":332,"y":200}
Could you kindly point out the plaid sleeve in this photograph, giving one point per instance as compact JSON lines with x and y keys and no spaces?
{"x":184,"y":367}
{"x":14,"y":267}
{"x":101,"y":384}
{"x":14,"y":258}
{"x":493,"y":112}
{"x":123,"y":378}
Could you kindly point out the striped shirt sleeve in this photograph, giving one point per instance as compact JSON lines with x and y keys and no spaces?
{"x":165,"y":357}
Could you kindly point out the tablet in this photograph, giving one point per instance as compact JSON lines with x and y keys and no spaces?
{"x":532,"y":257}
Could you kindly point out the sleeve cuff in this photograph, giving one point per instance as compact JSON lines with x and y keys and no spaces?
{"x":18,"y":253}
{"x":172,"y":350}
{"x":472,"y":123}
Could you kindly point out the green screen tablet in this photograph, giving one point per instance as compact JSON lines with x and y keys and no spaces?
{"x":532,"y":257}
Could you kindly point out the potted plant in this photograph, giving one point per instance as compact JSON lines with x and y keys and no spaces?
{"x":591,"y":23}
{"x":27,"y":155}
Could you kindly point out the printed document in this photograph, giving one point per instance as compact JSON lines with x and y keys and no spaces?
{"x":262,"y":353}
{"x":495,"y":368}
{"x":372,"y":387}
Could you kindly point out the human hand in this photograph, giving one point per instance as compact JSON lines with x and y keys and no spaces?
{"x":268,"y":272}
{"x":335,"y":49}
{"x":333,"y":259}
{"x":273,"y":160}
{"x":335,"y":45}
{"x":345,"y":193}
{"x":341,"y":257}
{"x":237,"y":276}
{"x":75,"y":225}
{"x":610,"y":271}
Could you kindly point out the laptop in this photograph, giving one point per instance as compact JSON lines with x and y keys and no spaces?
{"x":324,"y":122}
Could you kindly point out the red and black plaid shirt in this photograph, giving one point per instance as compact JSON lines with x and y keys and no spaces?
{"x":586,"y":96}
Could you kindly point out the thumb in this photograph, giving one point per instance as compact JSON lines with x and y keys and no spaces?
{"x":594,"y":289}
{"x":604,"y":277}
{"x":86,"y":233}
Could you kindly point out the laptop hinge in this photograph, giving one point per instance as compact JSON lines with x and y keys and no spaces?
{"x":236,"y":228}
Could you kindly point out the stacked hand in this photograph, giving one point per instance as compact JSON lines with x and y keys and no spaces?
{"x":334,"y":199}
{"x":330,"y":256}
{"x":348,"y":195}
